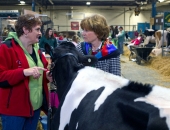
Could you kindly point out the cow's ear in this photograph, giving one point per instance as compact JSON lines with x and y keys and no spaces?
{"x":88,"y":60}
{"x":67,"y":44}
{"x":49,"y":49}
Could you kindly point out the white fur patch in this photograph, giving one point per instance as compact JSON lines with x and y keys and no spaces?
{"x":159,"y":98}
{"x":89,"y":79}
{"x":77,"y":125}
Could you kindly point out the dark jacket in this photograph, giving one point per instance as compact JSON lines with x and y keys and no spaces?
{"x":51,"y":41}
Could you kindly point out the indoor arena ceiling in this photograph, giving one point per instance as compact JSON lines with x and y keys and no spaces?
{"x":103,"y":4}
{"x":71,"y":2}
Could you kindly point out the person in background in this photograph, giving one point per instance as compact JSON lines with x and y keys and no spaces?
{"x":112,"y":32}
{"x":136,"y":34}
{"x":75,"y":40}
{"x":116,"y":30}
{"x":121,"y":39}
{"x":65,"y":37}
{"x":48,"y":38}
{"x":127,"y":36}
{"x":55,"y":34}
{"x":23,"y":76}
{"x":95,"y":32}
{"x":61,"y":36}
{"x":136,"y":42}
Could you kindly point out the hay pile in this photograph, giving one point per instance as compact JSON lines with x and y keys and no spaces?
{"x":39,"y":126}
{"x":161,"y":64}
{"x":126,"y":51}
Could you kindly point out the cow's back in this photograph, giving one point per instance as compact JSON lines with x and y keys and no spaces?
{"x":101,"y":101}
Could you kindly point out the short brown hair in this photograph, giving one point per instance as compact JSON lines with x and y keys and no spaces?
{"x":98,"y":24}
{"x":28,"y":21}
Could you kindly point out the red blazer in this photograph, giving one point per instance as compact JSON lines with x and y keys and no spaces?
{"x":14,"y":89}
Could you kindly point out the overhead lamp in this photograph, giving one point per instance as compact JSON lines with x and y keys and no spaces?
{"x":51,"y":2}
{"x":161,"y":0}
{"x":88,"y":3}
{"x":22,"y":2}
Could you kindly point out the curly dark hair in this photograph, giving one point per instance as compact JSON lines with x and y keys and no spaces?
{"x":98,"y":24}
{"x":47,"y":33}
{"x":28,"y":21}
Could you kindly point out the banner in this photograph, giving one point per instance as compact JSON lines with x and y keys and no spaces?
{"x":166,"y":20}
{"x":74,"y":25}
{"x":30,"y":12}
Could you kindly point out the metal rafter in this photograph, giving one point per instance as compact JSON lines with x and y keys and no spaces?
{"x":72,"y":2}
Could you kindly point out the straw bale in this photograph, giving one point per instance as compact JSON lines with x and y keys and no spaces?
{"x":39,"y":126}
{"x":161,"y":64}
{"x":126,"y":51}
{"x":158,"y":63}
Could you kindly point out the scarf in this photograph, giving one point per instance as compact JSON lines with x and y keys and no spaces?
{"x":107,"y":49}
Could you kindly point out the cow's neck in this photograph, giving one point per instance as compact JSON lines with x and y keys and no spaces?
{"x":64,"y":81}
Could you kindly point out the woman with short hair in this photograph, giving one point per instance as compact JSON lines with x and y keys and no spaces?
{"x":23,"y":76}
{"x":95,"y":32}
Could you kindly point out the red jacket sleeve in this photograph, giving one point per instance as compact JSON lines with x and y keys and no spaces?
{"x":10,"y":75}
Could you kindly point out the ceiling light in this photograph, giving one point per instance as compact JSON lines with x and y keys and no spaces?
{"x":51,"y":2}
{"x":22,"y":2}
{"x":88,"y":3}
{"x":161,"y":0}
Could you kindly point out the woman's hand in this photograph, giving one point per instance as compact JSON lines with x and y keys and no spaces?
{"x":49,"y":76}
{"x":33,"y":71}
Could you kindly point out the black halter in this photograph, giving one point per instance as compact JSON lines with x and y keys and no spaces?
{"x":59,"y":57}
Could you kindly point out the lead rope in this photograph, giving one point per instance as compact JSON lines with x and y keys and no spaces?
{"x":49,"y":110}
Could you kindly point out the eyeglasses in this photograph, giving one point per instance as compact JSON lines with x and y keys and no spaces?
{"x":33,"y":17}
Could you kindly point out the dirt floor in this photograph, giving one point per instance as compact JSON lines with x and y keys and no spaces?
{"x":156,"y":71}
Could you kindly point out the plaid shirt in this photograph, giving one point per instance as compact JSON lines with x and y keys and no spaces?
{"x":111,"y":65}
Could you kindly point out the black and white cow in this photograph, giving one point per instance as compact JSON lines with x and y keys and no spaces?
{"x":91,"y":99}
{"x":149,"y":40}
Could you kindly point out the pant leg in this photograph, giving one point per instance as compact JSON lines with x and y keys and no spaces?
{"x":20,"y":123}
{"x":31,"y":123}
{"x":12,"y":122}
{"x":120,"y":47}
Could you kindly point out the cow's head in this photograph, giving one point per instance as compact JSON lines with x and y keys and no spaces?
{"x":66,"y":61}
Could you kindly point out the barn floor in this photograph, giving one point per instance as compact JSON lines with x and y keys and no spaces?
{"x":141,"y":73}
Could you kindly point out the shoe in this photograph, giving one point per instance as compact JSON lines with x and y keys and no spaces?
{"x":134,"y":60}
